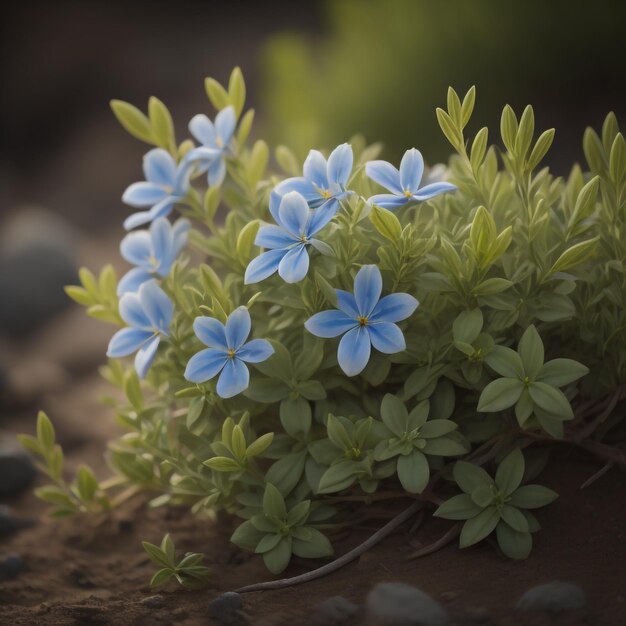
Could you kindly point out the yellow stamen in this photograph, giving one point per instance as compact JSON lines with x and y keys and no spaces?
{"x":361,"y":320}
{"x":231,"y":353}
{"x":327,"y":194}
{"x":408,"y":193}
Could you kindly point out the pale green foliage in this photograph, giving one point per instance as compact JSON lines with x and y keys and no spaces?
{"x":515,"y":257}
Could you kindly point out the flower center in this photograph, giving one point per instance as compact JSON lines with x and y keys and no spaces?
{"x":231,"y":353}
{"x":219,"y":143}
{"x":303,"y":238}
{"x":361,"y":320}
{"x":408,"y":193}
{"x":153,"y":261}
{"x":168,"y":188}
{"x":326,"y":193}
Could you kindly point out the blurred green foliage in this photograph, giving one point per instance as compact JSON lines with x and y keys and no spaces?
{"x":384,"y":64}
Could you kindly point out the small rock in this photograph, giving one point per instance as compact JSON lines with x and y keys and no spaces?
{"x":335,"y":610}
{"x":227,"y":610}
{"x":17,"y":471}
{"x":9,"y":523}
{"x":478,"y":616}
{"x":398,"y":604}
{"x":10,"y":566}
{"x":553,"y":597}
{"x":154,"y":602}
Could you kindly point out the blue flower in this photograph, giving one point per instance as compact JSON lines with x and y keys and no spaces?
{"x":287,"y":243}
{"x":227,"y":351}
{"x":215,"y":140}
{"x":152,"y":251}
{"x":404,"y":184}
{"x":323,"y":181}
{"x":366,"y":319}
{"x":166,"y":183}
{"x":148,"y":314}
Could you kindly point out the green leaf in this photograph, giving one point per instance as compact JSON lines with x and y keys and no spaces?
{"x":510,"y":472}
{"x":311,"y":390}
{"x":479,"y":147}
{"x":508,"y":128}
{"x":525,"y":132}
{"x":576,"y":255}
{"x":274,"y":503}
{"x":86,"y":483}
{"x":258,"y":447}
{"x":560,"y":372}
{"x":269,"y":542}
{"x":195,"y":410}
{"x":157,"y":555}
{"x":469,"y":476}
{"x":237,"y":91}
{"x":530,"y":349}
{"x":45,"y":431}
{"x":161,"y":577}
{"x":533,"y":497}
{"x":479,"y":527}
{"x":617,"y":160}
{"x":287,"y":160}
{"x":296,"y":417}
{"x":550,"y":399}
{"x":245,"y":241}
{"x":259,"y":157}
{"x":167,"y":547}
{"x":285,"y":473}
{"x":541,"y":149}
{"x":299,"y":513}
{"x":514,"y":544}
{"x":216,"y":93}
{"x":238,"y":442}
{"x":386,"y":223}
{"x":394,"y":414}
{"x":339,"y":476}
{"x":133,"y":121}
{"x":437,"y":428}
{"x":500,"y":394}
{"x":316,"y":546}
{"x":267,"y":390}
{"x":524,"y":407}
{"x":449,"y":128}
{"x":161,"y":123}
{"x":505,"y":362}
{"x":418,"y":415}
{"x":223,"y":464}
{"x":444,"y":446}
{"x":467,"y":108}
{"x":514,"y":518}
{"x":413,"y":472}
{"x":245,"y":126}
{"x":467,"y":326}
{"x":459,"y":507}
{"x":247,"y":536}
{"x":491,"y":286}
{"x":338,"y":434}
{"x":276,"y":560}
{"x":132,"y":389}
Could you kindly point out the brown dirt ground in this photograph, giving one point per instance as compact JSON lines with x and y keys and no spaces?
{"x":94,"y":571}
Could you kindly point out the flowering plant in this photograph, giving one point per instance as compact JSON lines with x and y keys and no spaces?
{"x":353,"y":329}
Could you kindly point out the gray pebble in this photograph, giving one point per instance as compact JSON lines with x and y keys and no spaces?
{"x":398,"y":604}
{"x":227,"y":610}
{"x":9,"y":523}
{"x":553,"y":597}
{"x":10,"y":566}
{"x":335,"y":610}
{"x":17,"y":471}
{"x":154,"y":602}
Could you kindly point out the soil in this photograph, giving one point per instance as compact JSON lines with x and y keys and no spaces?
{"x":92,"y":570}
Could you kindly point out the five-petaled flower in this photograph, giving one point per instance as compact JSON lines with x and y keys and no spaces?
{"x":323,"y":181}
{"x":148,"y":314}
{"x":366,"y":319}
{"x":166,"y":184}
{"x":153,"y":251}
{"x":404,"y":184}
{"x":226,"y":352}
{"x":287,"y":243}
{"x":215,"y":140}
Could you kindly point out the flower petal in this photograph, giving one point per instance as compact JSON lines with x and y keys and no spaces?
{"x":321,"y":247}
{"x":216,"y":172}
{"x":388,"y":201}
{"x":132,"y":312}
{"x":137,"y":219}
{"x":238,"y":327}
{"x":294,"y":265}
{"x":384,"y":174}
{"x":321,"y":216}
{"x":300,"y":184}
{"x":180,"y":233}
{"x":201,"y":157}
{"x":145,"y":356}
{"x":340,"y":164}
{"x":162,"y":244}
{"x":411,"y":170}
{"x":159,"y":167}
{"x":263,"y":266}
{"x":255,"y":351}
{"x":210,"y":332}
{"x":126,"y":341}
{"x":394,"y":307}
{"x":315,"y":168}
{"x":234,"y":378}
{"x":136,"y":248}
{"x":386,"y":337}
{"x":294,"y":213}
{"x":368,"y":284}
{"x":225,"y":122}
{"x":329,"y":324}
{"x":157,"y":305}
{"x":430,"y":191}
{"x":354,"y":351}
{"x":347,"y":303}
{"x":203,"y":131}
{"x":144,"y":194}
{"x":204,"y":365}
{"x":274,"y":203}
{"x":132,"y":280}
{"x":274,"y":237}
{"x":162,"y":209}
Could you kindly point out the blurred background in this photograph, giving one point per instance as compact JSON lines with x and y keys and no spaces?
{"x":317,"y":72}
